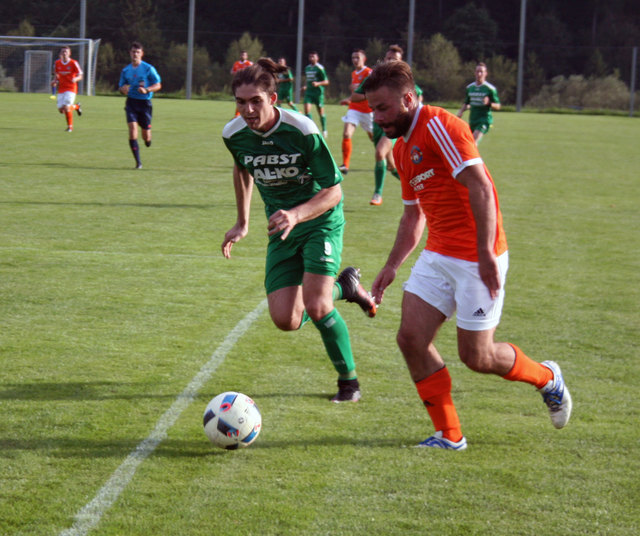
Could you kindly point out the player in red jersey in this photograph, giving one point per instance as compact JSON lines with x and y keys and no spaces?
{"x":447,"y":188}
{"x":67,"y":74}
{"x":358,"y":113}
{"x":238,"y":65}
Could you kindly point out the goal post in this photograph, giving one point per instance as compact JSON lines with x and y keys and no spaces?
{"x":30,"y":60}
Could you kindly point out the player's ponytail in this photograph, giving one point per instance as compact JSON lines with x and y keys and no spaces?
{"x":263,"y":74}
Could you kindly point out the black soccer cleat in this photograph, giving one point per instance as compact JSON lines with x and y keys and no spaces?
{"x":348,"y":391}
{"x":79,"y":109}
{"x":353,"y":291}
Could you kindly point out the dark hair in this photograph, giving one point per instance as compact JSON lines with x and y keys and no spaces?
{"x":396,"y":48}
{"x":359,"y":51}
{"x":262,"y":73}
{"x":393,"y":74}
{"x":481,"y":64}
{"x":63,"y":47}
{"x":136,"y":44}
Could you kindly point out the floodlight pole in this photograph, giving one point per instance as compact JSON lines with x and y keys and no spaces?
{"x":299,"y":48}
{"x":634,"y":66}
{"x":523,"y":16}
{"x":412,"y":16}
{"x":83,"y":31}
{"x":192,"y":17}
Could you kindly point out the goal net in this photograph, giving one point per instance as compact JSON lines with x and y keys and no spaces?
{"x":26,"y":63}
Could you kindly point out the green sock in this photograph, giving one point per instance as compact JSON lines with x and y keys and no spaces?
{"x":335,"y":336}
{"x":379,"y":172}
{"x":337,"y":291}
{"x":305,"y":319}
{"x":323,"y":120}
{"x":293,"y":106}
{"x":309,"y":116}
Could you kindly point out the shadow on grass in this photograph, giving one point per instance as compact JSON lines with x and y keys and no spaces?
{"x":208,"y":206}
{"x":101,"y":390}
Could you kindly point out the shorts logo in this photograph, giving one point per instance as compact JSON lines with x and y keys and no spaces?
{"x":416,"y":155}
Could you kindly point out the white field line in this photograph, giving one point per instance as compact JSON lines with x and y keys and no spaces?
{"x":91,"y":514}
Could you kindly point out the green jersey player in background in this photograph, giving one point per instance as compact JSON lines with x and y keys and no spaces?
{"x":481,"y":97}
{"x":283,"y":154}
{"x":285,"y":85}
{"x":316,"y":79}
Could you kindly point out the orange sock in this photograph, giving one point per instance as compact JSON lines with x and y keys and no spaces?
{"x":435,"y":392}
{"x":346,"y":151}
{"x":69,"y":119}
{"x":527,"y":370}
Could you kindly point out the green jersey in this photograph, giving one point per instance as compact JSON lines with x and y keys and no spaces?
{"x":480,"y":113}
{"x":289,"y":164}
{"x":285,"y":89}
{"x":315,"y":73}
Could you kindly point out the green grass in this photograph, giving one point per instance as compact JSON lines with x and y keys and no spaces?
{"x":113,"y":294}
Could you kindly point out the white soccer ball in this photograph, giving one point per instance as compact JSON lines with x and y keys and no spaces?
{"x":232,"y":420}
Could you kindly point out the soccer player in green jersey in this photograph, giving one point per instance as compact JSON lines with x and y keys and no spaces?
{"x":481,"y":97}
{"x":316,"y":79}
{"x":285,"y":85}
{"x":283,"y":154}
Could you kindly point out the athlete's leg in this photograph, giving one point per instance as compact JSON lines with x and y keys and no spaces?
{"x":418,"y":328}
{"x":146,"y":136}
{"x":347,"y":134}
{"x":133,"y":142}
{"x":323,"y":119}
{"x":307,"y":109}
{"x":477,"y":135}
{"x":287,"y":307}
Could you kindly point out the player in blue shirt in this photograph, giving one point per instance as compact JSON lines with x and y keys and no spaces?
{"x":138,"y":81}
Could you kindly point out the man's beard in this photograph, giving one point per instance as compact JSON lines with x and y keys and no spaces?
{"x":399,"y":126}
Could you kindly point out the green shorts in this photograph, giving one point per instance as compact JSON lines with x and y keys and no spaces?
{"x":480,"y":127}
{"x":318,"y":251}
{"x":285,"y":95}
{"x":314,"y":98}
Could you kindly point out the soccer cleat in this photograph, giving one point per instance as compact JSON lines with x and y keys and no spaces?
{"x":439,"y":442}
{"x":556,"y":396}
{"x":69,"y":129}
{"x":348,"y":391}
{"x":353,"y":291}
{"x":376,"y":200}
{"x":343,"y":169}
{"x":325,"y":134}
{"x":138,"y":166}
{"x":79,"y":109}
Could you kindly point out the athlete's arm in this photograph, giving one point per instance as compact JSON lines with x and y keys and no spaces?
{"x":286,"y":220}
{"x":483,"y":206}
{"x":152,"y":88}
{"x":408,"y":236}
{"x":465,"y":106}
{"x":243,"y":186}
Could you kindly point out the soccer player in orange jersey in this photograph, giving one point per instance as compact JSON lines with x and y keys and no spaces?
{"x":358,"y":113}
{"x":67,"y":74}
{"x":240,"y":64}
{"x":447,"y":188}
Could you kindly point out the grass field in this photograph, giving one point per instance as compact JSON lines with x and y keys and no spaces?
{"x":114,"y":295}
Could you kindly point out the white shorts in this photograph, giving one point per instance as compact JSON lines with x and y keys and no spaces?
{"x":66,"y":98}
{"x":359,"y":118}
{"x":454,"y":286}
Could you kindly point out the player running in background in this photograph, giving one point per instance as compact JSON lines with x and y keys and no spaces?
{"x":285,"y":85}
{"x":67,"y":73}
{"x":316,"y":79}
{"x":384,"y":145}
{"x":283,"y":154}
{"x":240,"y":64}
{"x":138,"y":81}
{"x":447,"y":189}
{"x":358,"y":113}
{"x":481,"y":97}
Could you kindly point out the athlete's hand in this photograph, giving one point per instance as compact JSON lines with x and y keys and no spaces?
{"x":282,"y":220}
{"x":345,"y":102}
{"x":386,"y":276}
{"x":237,"y":232}
{"x":486,"y":101}
{"x":489,"y":273}
{"x":124,"y":89}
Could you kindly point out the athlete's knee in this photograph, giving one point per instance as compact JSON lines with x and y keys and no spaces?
{"x":286,"y":322}
{"x":477,"y":359}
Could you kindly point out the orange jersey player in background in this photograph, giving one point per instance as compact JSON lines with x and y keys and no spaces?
{"x":359,"y":112}
{"x":67,"y":74}
{"x":240,"y":64}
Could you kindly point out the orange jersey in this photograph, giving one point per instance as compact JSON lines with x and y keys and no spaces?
{"x":437,"y":147}
{"x":65,"y":73}
{"x":239,"y":65}
{"x":357,"y":77}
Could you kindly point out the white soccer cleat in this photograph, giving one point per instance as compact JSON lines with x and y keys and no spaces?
{"x":439,"y":442}
{"x":556,"y":396}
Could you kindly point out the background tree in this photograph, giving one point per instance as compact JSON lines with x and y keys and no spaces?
{"x":473,"y":32}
